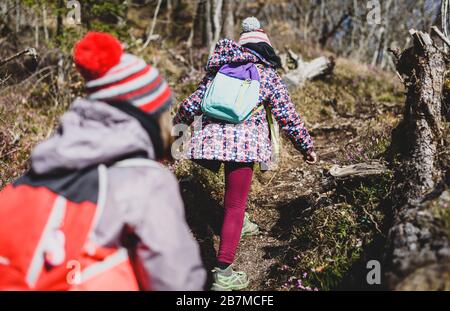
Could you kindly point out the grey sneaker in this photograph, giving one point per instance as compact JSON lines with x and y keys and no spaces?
{"x":249,"y":228}
{"x":228,"y":279}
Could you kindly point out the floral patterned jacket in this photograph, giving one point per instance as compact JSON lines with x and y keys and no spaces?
{"x":248,"y":141}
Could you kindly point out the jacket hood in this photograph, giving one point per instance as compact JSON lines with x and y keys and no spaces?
{"x":89,"y":133}
{"x":227,"y":51}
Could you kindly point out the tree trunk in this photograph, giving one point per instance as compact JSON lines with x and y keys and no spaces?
{"x":378,"y":52}
{"x":416,"y":241}
{"x":198,"y":30}
{"x":228,"y":19}
{"x":208,"y":24}
{"x":445,"y":19}
{"x":44,"y":21}
{"x":59,"y":21}
{"x":217,"y":15}
{"x":423,"y":68}
{"x":36,"y":29}
{"x":18,"y":17}
{"x":190,"y":40}
{"x":327,"y":34}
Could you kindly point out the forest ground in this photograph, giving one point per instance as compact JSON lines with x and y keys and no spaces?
{"x":317,"y":231}
{"x":313,"y":231}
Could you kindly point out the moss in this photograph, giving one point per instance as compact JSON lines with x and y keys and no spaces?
{"x":330,"y":239}
{"x":440,"y":208}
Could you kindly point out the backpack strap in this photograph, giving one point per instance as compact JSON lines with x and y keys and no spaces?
{"x":274,"y":139}
{"x":274,"y":134}
{"x":257,"y":109}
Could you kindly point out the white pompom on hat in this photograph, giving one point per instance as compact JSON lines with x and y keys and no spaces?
{"x":250,"y":24}
{"x":252,"y":32}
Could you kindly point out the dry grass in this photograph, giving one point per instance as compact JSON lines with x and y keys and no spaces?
{"x":23,"y":123}
{"x":306,"y":227}
{"x":311,"y":233}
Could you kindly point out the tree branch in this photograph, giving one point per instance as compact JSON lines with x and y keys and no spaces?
{"x":29,"y":51}
{"x":441,"y":35}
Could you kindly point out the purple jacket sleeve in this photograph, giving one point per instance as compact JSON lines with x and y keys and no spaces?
{"x":191,"y":106}
{"x":289,"y":120}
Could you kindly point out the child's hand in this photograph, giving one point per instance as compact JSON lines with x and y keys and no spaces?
{"x":311,"y":158}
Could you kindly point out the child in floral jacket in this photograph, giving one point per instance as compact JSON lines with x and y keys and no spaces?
{"x":241,"y":145}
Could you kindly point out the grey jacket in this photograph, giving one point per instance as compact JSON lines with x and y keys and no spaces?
{"x":142,"y":201}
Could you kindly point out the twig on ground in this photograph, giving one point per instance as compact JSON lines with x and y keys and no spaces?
{"x":441,"y":35}
{"x":373,"y":221}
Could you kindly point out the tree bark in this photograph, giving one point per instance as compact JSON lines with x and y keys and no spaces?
{"x":59,"y":21}
{"x":36,"y":29}
{"x":18,"y":16}
{"x":416,"y":240}
{"x":445,"y":19}
{"x":422,"y":68}
{"x":360,"y":169}
{"x":198,"y":30}
{"x":217,"y":29}
{"x":327,"y":34}
{"x":228,"y":19}
{"x":208,"y":24}
{"x":44,"y":21}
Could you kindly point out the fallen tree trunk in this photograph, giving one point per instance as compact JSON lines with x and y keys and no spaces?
{"x":360,"y":169}
{"x":304,"y":71}
{"x":416,"y":240}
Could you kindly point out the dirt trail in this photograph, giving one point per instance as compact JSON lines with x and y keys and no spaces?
{"x":277,"y":199}
{"x":343,"y":112}
{"x":283,"y":197}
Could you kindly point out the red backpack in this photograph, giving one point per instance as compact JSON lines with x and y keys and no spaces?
{"x":46,"y":228}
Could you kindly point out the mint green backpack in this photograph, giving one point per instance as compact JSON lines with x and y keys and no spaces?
{"x":233,"y":97}
{"x":234,"y":93}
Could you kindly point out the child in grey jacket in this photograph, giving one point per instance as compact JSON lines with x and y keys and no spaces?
{"x":104,"y":154}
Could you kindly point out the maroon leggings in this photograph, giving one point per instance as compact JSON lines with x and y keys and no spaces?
{"x":238,"y":178}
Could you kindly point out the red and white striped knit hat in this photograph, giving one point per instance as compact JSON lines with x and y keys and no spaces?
{"x":112,"y":74}
{"x":252,"y":32}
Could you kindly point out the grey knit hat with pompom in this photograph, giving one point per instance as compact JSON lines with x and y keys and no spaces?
{"x":252,"y":32}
